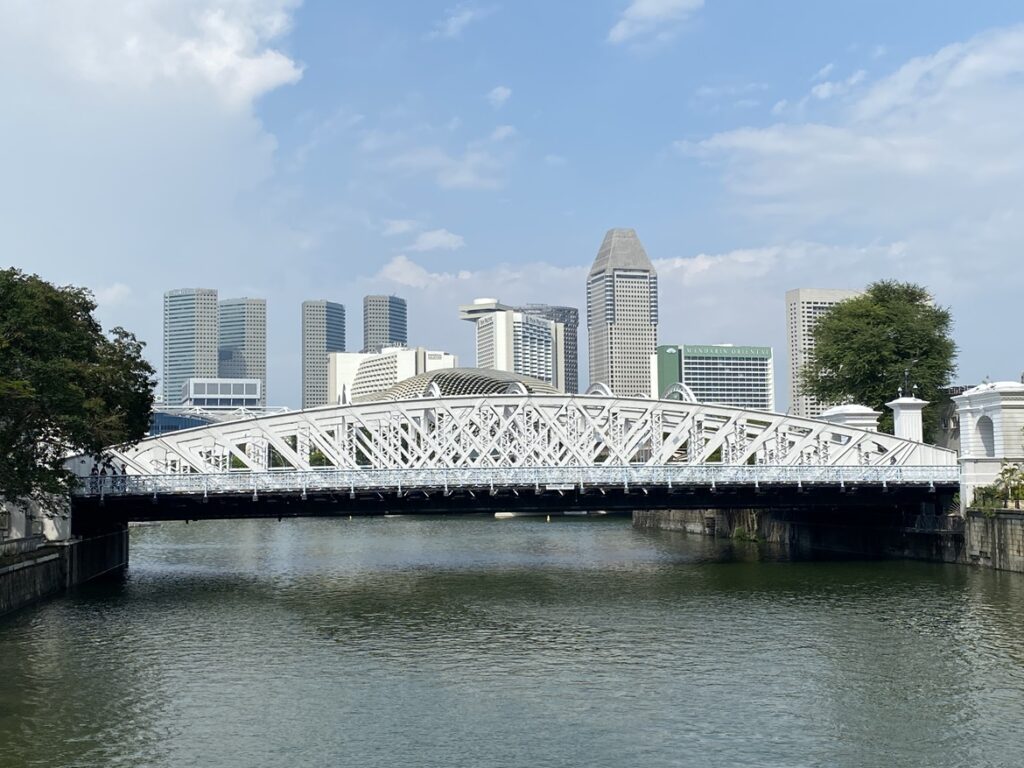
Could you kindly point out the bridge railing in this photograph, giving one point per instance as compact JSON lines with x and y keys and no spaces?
{"x":539,"y":478}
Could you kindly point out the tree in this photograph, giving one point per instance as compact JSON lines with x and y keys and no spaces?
{"x":865,"y":348}
{"x":65,"y":386}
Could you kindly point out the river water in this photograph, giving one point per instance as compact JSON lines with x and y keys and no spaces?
{"x":475,"y":642}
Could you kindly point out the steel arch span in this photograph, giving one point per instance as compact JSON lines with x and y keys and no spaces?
{"x":514,"y":433}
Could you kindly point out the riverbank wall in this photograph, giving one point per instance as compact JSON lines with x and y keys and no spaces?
{"x":45,"y":570}
{"x":809,"y":531}
{"x":996,"y":539}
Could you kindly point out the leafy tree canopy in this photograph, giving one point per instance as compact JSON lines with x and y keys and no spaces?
{"x":65,"y":386}
{"x":863,"y":347}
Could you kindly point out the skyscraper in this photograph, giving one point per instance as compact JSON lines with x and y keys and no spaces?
{"x":804,"y":307}
{"x":622,"y":314}
{"x":242,"y":349}
{"x":569,"y":317}
{"x":190,"y":339}
{"x":510,"y":340}
{"x":323,"y":332}
{"x":385,"y":323}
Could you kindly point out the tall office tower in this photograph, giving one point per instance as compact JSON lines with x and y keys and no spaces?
{"x":804,"y":307}
{"x":323,"y":332}
{"x":385,"y":323}
{"x":570,"y":318}
{"x":190,"y":339}
{"x":510,"y":340}
{"x":742,"y":377}
{"x":242,"y":349}
{"x":622,"y":314}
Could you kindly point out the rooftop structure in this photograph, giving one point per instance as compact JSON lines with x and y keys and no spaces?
{"x":456,"y":382}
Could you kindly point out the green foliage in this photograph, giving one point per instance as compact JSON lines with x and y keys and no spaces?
{"x":864,"y":345}
{"x":65,"y":386}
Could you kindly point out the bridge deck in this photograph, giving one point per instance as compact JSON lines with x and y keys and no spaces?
{"x":399,"y":481}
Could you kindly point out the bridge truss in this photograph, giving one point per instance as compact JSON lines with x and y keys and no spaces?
{"x":513,"y":440}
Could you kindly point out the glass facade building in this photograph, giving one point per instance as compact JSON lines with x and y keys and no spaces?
{"x":242,"y":346}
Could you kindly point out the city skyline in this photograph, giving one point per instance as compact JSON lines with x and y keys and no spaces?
{"x":747,"y":172}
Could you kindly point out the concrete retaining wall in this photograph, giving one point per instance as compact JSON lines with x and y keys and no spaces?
{"x":808,"y":530}
{"x":52,"y":569}
{"x":996,"y":541}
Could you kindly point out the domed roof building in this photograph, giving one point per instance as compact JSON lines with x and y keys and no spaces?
{"x":455,"y":382}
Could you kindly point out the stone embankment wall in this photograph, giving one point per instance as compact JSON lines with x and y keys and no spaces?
{"x":810,"y":530}
{"x":996,"y":541}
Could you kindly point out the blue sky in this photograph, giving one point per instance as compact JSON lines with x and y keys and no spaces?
{"x":444,"y":151}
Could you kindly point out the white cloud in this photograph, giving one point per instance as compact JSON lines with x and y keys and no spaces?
{"x":830,"y":88}
{"x":392,"y":227}
{"x":918,"y":175}
{"x":456,"y":19}
{"x":437,"y":240}
{"x":498,"y":95}
{"x":224,"y":46}
{"x":503,"y":132}
{"x":475,"y":168}
{"x":824,"y":72}
{"x":644,"y":20}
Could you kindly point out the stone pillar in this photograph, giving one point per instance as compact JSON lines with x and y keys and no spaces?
{"x":906,"y":415}
{"x":991,"y":433}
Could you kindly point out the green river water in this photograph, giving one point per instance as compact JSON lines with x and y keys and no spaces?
{"x":478,"y":642}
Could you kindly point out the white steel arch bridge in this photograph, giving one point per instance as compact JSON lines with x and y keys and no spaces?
{"x":511,"y":442}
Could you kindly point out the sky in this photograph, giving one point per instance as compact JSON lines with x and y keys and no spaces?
{"x":444,"y":151}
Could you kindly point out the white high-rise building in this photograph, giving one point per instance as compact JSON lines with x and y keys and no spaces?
{"x":190,"y":339}
{"x":355,"y":376}
{"x":569,"y":317}
{"x":622,"y":314}
{"x":323,"y":332}
{"x":804,"y":307}
{"x":508,"y":339}
{"x":242,"y":349}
